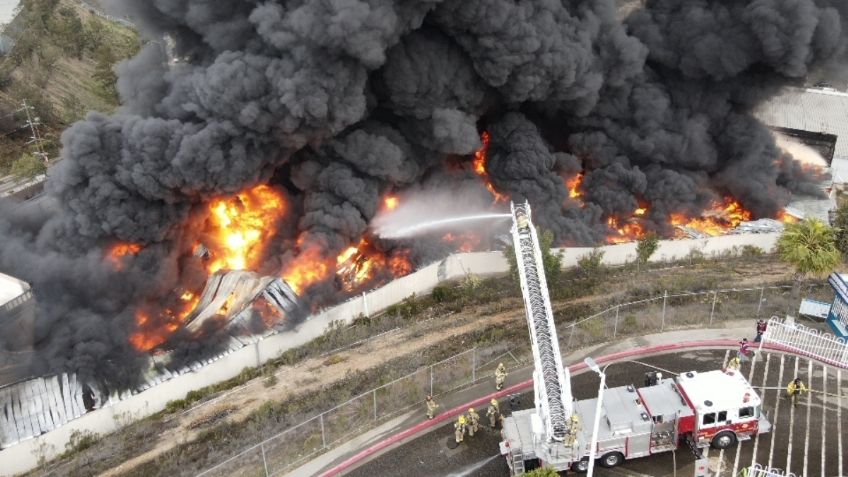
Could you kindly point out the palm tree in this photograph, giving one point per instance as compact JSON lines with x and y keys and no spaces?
{"x":810,"y":247}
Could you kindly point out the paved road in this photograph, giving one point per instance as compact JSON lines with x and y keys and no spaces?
{"x":803,"y":453}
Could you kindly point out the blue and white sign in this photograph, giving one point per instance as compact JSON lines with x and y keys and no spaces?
{"x":837,"y":317}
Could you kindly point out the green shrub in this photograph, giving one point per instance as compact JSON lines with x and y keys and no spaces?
{"x":591,"y":263}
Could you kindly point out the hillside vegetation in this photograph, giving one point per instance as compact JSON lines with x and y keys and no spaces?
{"x":61,"y":61}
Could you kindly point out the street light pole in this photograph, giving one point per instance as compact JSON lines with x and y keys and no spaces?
{"x":593,"y":444}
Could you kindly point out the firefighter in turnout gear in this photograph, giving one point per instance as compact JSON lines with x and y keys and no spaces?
{"x":734,"y":364}
{"x":459,"y":429}
{"x":473,"y":421}
{"x":794,"y":389}
{"x":500,"y":376}
{"x":431,"y":407}
{"x":493,"y":413}
{"x":573,"y":428}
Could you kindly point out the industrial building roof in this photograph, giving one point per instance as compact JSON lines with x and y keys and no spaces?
{"x":11,"y":288}
{"x":813,"y":110}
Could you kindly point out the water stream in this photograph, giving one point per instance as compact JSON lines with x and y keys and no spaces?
{"x":471,"y":469}
{"x":424,"y":227}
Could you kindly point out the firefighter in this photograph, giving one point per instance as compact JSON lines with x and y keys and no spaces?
{"x":500,"y":376}
{"x":431,"y":407}
{"x":573,"y":428}
{"x":742,"y":354}
{"x":459,"y":429}
{"x":794,"y":389}
{"x":761,"y":328}
{"x":492,"y":413}
{"x":473,"y":421}
{"x":734,"y":364}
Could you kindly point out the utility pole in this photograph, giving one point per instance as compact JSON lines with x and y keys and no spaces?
{"x":35,"y":138}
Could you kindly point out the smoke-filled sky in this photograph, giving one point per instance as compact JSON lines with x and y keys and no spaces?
{"x":339,"y":103}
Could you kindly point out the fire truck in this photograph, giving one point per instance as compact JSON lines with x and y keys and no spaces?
{"x":694,"y":410}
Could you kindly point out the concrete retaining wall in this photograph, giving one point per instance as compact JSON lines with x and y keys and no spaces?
{"x":23,"y":456}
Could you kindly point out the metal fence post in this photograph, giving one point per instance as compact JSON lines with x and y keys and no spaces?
{"x":760,"y":304}
{"x":431,"y":380}
{"x":473,"y":365}
{"x":570,"y":336}
{"x":264,"y":462}
{"x":615,"y":325}
{"x":665,"y":299}
{"x":323,"y":435}
{"x":375,"y":403}
{"x":712,"y":310}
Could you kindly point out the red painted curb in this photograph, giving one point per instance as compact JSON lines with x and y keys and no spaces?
{"x":448,"y":415}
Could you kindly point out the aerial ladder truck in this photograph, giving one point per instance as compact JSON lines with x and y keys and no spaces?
{"x":714,"y":408}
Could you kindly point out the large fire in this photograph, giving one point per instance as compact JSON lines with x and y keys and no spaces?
{"x":480,"y":160}
{"x":154,"y":328}
{"x":240,"y":227}
{"x":309,"y":267}
{"x":573,"y":185}
{"x":358,"y":265}
{"x":719,"y":218}
{"x":117,"y":252}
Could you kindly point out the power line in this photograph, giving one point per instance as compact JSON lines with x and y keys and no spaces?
{"x":33,"y":123}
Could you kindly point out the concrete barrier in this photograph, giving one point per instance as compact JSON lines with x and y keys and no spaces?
{"x":24,"y":456}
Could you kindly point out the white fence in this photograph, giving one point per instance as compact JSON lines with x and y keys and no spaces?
{"x":799,"y":339}
{"x":24,"y":456}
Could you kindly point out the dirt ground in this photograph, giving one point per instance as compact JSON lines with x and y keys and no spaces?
{"x":315,"y":374}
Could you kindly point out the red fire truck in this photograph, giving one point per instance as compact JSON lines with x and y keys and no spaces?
{"x":717,"y":408}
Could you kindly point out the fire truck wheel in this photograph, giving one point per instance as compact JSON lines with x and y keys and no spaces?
{"x":611,"y":459}
{"x":723,"y":440}
{"x":581,"y":465}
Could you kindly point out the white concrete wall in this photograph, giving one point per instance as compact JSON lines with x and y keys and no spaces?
{"x":23,"y":456}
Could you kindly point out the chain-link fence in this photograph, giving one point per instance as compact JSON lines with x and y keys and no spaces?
{"x":672,"y":311}
{"x":296,"y":445}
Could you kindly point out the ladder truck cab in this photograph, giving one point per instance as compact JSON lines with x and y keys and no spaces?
{"x":695,"y":410}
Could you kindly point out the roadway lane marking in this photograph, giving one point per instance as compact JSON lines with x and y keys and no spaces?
{"x":739,"y":445}
{"x":809,"y":408}
{"x":839,"y":416}
{"x":721,"y":452}
{"x":824,"y":418}
{"x":792,"y":407}
{"x":757,"y":437}
{"x":776,"y":410}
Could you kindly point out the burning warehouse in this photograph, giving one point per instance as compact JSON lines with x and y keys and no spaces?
{"x":264,"y":156}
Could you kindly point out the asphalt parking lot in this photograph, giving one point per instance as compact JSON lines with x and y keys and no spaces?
{"x":807,"y":438}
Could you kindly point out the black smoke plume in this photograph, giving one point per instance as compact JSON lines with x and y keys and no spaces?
{"x":340,"y":103}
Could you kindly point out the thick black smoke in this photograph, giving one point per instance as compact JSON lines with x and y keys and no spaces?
{"x":340,"y":103}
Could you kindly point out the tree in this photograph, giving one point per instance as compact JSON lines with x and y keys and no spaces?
{"x":646,"y":247}
{"x":551,"y":261}
{"x":27,"y":167}
{"x":840,"y":228}
{"x":810,"y":247}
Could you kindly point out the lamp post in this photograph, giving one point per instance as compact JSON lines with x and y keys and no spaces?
{"x":594,"y":443}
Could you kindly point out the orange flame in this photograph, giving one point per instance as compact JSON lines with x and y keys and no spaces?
{"x":479,"y":163}
{"x":153,"y":332}
{"x":240,"y":227}
{"x":627,"y":232}
{"x":721,"y":216}
{"x":117,"y":252}
{"x":573,"y":185}
{"x":465,"y":242}
{"x":784,"y":217}
{"x":391,"y":202}
{"x":358,"y":265}
{"x":308,"y":268}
